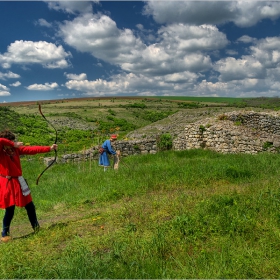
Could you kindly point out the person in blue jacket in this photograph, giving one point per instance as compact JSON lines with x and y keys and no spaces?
{"x":106,"y":150}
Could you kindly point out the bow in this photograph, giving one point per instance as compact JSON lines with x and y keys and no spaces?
{"x":37,"y":181}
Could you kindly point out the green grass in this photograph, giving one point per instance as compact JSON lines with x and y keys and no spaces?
{"x":188,"y":214}
{"x":203,"y":99}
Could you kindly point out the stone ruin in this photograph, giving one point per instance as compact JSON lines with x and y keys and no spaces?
{"x":232,"y":132}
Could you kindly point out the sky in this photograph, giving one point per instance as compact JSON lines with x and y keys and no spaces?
{"x":71,"y":49}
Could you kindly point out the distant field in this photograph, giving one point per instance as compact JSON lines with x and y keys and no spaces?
{"x":203,"y":99}
{"x":109,"y":100}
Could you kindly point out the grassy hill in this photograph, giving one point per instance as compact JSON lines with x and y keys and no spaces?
{"x":187,"y":214}
{"x":82,"y":123}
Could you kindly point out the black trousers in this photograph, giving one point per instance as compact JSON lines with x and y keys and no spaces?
{"x":9,"y":214}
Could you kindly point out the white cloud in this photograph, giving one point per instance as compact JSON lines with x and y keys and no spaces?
{"x":184,"y":77}
{"x":43,"y":87}
{"x":8,"y":75}
{"x":28,"y":52}
{"x":16,"y":84}
{"x":4,"y":91}
{"x":43,"y":22}
{"x":99,"y":36}
{"x":132,"y":84}
{"x":180,"y":47}
{"x":262,"y":62}
{"x":242,"y":13}
{"x":3,"y":87}
{"x":82,"y":76}
{"x":267,"y":51}
{"x":192,"y":38}
{"x":238,"y":88}
{"x":171,"y":60}
{"x":71,"y":7}
{"x":239,"y":69}
{"x":246,"y":39}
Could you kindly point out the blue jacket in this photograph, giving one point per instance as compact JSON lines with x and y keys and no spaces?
{"x":103,"y":158}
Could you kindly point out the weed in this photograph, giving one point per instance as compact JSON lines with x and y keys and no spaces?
{"x":202,"y":128}
{"x":267,"y":145}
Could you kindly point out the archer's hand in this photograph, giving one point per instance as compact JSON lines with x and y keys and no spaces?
{"x":18,"y":144}
{"x":53,"y":147}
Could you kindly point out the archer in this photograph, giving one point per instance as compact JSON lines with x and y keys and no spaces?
{"x":14,"y":190}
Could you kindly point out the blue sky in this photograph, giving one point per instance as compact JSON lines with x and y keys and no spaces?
{"x":71,"y":49}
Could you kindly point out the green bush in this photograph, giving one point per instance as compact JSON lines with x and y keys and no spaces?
{"x":164,"y":142}
{"x":154,"y":116}
{"x":135,"y":105}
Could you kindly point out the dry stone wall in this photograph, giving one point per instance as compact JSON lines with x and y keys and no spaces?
{"x":233,"y":132}
{"x":127,"y":148}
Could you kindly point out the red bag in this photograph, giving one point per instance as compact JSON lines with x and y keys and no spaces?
{"x":101,"y":150}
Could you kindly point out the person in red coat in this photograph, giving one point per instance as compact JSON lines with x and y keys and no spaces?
{"x":11,"y":192}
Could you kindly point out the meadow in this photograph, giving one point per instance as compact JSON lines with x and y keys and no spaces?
{"x":175,"y":214}
{"x":188,"y":214}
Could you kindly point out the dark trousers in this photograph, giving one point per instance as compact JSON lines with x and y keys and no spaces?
{"x":9,"y":214}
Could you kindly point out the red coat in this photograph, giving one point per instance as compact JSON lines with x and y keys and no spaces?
{"x":10,"y":191}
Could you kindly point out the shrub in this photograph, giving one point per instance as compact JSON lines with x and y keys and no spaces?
{"x":136,"y":105}
{"x":164,"y":142}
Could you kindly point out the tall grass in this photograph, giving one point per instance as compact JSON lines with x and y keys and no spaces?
{"x":189,"y":214}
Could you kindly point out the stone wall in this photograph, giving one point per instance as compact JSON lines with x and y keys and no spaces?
{"x":233,"y":132}
{"x":147,"y":146}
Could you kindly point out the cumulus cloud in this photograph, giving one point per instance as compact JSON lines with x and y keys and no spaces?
{"x":192,"y":38}
{"x":238,"y":88}
{"x":242,"y":13}
{"x":239,"y":69}
{"x":135,"y":84}
{"x":4,"y":93}
{"x":27,"y":52}
{"x":80,"y":77}
{"x":16,"y":84}
{"x":267,"y":51}
{"x":264,"y":54}
{"x":179,"y":48}
{"x":8,"y":75}
{"x":43,"y":87}
{"x":99,"y":36}
{"x":174,"y":59}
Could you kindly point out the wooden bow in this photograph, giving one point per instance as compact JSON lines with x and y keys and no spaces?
{"x":40,"y":110}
